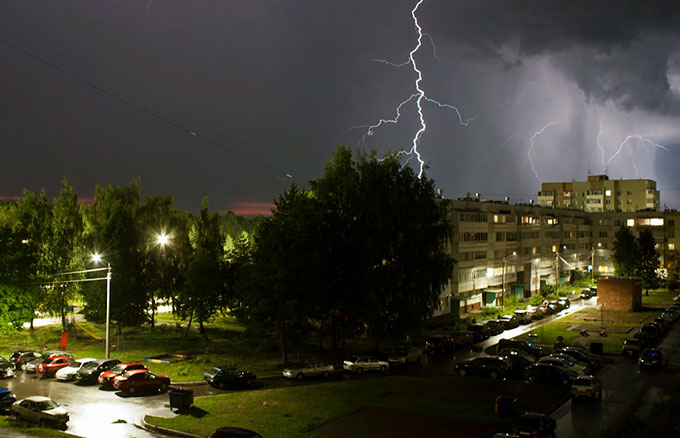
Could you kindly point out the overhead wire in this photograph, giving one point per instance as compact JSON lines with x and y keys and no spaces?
{"x":281,"y":173}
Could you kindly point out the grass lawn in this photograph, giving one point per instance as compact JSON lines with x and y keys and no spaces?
{"x":31,"y":430}
{"x":297,"y":411}
{"x":618,"y":325}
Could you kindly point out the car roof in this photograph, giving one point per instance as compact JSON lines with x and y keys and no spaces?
{"x":37,"y":398}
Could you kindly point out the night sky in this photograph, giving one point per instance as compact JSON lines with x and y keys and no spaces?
{"x":103,"y":91}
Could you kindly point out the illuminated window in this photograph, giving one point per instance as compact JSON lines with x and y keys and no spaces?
{"x":671,"y":246}
{"x":608,"y":193}
{"x":630,"y":222}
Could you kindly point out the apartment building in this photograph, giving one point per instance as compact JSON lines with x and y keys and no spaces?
{"x":601,"y":194}
{"x":520,"y":248}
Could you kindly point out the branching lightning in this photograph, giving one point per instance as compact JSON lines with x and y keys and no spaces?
{"x":599,"y":145}
{"x":419,"y":96}
{"x":533,"y":137}
{"x":641,"y":141}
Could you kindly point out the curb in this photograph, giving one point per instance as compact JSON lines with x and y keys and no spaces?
{"x":159,"y":429}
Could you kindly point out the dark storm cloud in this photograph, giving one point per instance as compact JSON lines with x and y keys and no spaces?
{"x":615,"y":50}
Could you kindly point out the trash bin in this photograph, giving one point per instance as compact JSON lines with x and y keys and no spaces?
{"x":181,"y":398}
{"x":596,"y":347}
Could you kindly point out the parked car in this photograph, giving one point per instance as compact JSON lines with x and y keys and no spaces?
{"x":461,"y":339}
{"x":228,"y":375}
{"x":479,"y":332}
{"x":495,"y":326}
{"x":587,"y":369}
{"x":140,"y":380}
{"x":405,"y":355}
{"x":7,"y":398}
{"x":518,"y":361}
{"x":89,"y":373}
{"x":581,"y":355}
{"x":69,"y":372}
{"x":548,"y":374}
{"x":359,"y":364}
{"x":564,"y":302}
{"x":31,"y":366}
{"x":487,"y":366}
{"x":510,"y":321}
{"x":105,"y":379}
{"x":651,"y":359}
{"x":439,"y":345}
{"x":536,"y":425}
{"x":523,"y":317}
{"x":586,"y":294}
{"x":563,"y":362}
{"x":632,"y":347}
{"x":588,"y":386}
{"x":21,"y":358}
{"x":52,"y":364}
{"x":40,"y":410}
{"x":234,"y":432}
{"x":6,"y":368}
{"x":525,"y":346}
{"x":309,"y":369}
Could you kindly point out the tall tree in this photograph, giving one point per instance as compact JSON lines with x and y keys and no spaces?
{"x":673,"y":267}
{"x":626,"y":252}
{"x":202,"y":292}
{"x":648,"y":260}
{"x":112,"y":230}
{"x":163,"y":261}
{"x":63,"y":251}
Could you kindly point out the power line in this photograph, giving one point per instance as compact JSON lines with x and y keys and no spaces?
{"x":147,"y":111}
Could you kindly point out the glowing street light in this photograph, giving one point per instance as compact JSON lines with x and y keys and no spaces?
{"x":96,"y":258}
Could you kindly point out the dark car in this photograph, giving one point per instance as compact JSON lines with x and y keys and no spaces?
{"x":518,"y":361}
{"x":525,"y":346}
{"x":479,"y":332}
{"x":6,"y":368}
{"x":490,"y":366}
{"x":510,"y":321}
{"x":228,"y":375}
{"x":7,"y":398}
{"x":89,"y":373}
{"x":546,"y":374}
{"x":495,"y":326}
{"x":564,"y":302}
{"x":20,"y":358}
{"x":461,"y":339}
{"x":234,"y":432}
{"x":651,"y":359}
{"x":535,"y":424}
{"x":439,"y":345}
{"x":580,"y":355}
{"x":652,"y":332}
{"x":632,"y":347}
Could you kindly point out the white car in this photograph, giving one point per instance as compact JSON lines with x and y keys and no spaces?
{"x":309,"y":369}
{"x":359,"y":364}
{"x":69,"y":372}
{"x":588,"y":386}
{"x":40,"y":410}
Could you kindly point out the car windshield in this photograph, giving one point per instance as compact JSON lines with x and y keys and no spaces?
{"x":91,"y":365}
{"x":353,"y":359}
{"x":529,"y":421}
{"x":650,"y":353}
{"x":118,"y":369}
{"x":580,"y":381}
{"x":400,"y":351}
{"x":46,"y":405}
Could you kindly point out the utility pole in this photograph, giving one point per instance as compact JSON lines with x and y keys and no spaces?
{"x":592,"y":264}
{"x":505,"y":262}
{"x":557,"y":270}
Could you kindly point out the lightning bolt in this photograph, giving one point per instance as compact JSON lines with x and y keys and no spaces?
{"x":533,"y":137}
{"x":419,"y":96}
{"x":641,"y":141}
{"x":599,"y":145}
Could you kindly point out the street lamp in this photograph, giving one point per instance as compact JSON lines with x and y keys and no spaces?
{"x":96,"y":258}
{"x":162,"y":239}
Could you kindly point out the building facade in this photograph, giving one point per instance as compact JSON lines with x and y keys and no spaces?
{"x":502,"y":249}
{"x":601,"y":194}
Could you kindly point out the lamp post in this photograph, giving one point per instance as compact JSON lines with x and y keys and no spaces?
{"x":96,"y":258}
{"x":505,"y":262}
{"x":592,"y":264}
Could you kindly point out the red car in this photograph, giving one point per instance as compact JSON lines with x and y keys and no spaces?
{"x":106,"y":378}
{"x":53,"y":364}
{"x":140,"y":380}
